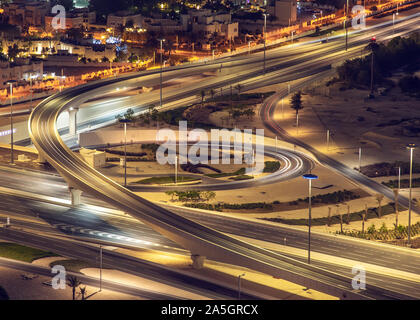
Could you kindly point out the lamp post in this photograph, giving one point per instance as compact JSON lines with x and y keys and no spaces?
{"x":410,"y":147}
{"x":360,"y":159}
{"x":100,"y":268}
{"x":239,"y":285}
{"x":30,"y":83}
{"x":328,"y":140}
{"x":393,"y":23}
{"x":265,"y":31}
{"x":161,"y":69}
{"x":309,"y":177}
{"x":399,"y":178}
{"x":125,"y":121}
{"x":249,"y":47}
{"x":10,"y":83}
{"x":176,"y":169}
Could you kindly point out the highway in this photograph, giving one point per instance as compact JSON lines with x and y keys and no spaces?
{"x":198,"y":239}
{"x":99,"y":226}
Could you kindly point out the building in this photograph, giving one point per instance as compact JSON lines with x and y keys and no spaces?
{"x":164,"y":26}
{"x":19,"y":70}
{"x":27,"y":13}
{"x":123,"y":18}
{"x":210,"y":24}
{"x":94,"y":158}
{"x":78,"y":18}
{"x":284,"y":11}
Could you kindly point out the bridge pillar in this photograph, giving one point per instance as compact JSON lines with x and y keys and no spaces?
{"x":198,"y":261}
{"x":75,"y":196}
{"x":72,"y":120}
{"x":41,"y":158}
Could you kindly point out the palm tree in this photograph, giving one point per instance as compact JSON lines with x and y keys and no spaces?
{"x":372,"y":46}
{"x":202,"y":95}
{"x":348,"y":214}
{"x":296,"y":104}
{"x":212,"y":93}
{"x":238,"y":88}
{"x":364,"y":215}
{"x":329,"y":216}
{"x":83,"y":292}
{"x":379,"y":198}
{"x":73,"y":282}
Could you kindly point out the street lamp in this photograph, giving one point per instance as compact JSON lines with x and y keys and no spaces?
{"x":393,"y":23}
{"x":239,"y":285}
{"x":249,"y":47}
{"x":411,"y":147}
{"x":10,"y":83}
{"x":309,"y":177}
{"x":265,"y":31}
{"x":100,"y":268}
{"x":125,"y":121}
{"x":161,"y":69}
{"x":176,"y":169}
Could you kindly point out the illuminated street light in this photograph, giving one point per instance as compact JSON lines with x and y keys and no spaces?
{"x":161,"y":69}
{"x":411,"y":147}
{"x":265,"y":31}
{"x":393,"y":23}
{"x":309,"y":177}
{"x":10,"y":83}
{"x":125,"y":121}
{"x":239,"y":285}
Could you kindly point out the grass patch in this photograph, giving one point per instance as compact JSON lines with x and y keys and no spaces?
{"x":22,"y":253}
{"x":168,"y":179}
{"x":241,"y":171}
{"x":74,"y":265}
{"x":271,"y":166}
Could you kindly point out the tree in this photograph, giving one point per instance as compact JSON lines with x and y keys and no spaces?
{"x":296,"y":104}
{"x":209,"y":195}
{"x":341,"y":218}
{"x":202,"y":95}
{"x":238,"y":88}
{"x":83,"y":292}
{"x":129,"y":114}
{"x":13,"y":52}
{"x":212,"y":93}
{"x":379,"y":198}
{"x":329,"y":216}
{"x":172,"y":194}
{"x":364,"y":215}
{"x":73,"y":282}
